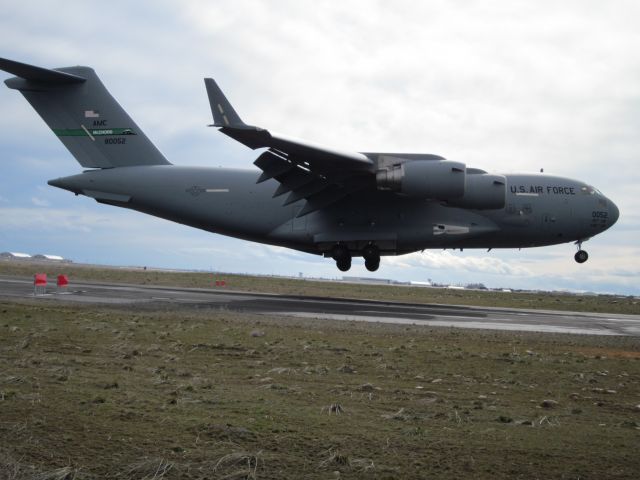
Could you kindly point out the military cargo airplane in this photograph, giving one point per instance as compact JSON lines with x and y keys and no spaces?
{"x":306,"y":197}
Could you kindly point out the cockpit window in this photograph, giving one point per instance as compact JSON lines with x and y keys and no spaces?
{"x":589,"y":190}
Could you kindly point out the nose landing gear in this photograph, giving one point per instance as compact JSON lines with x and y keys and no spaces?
{"x":581,"y":256}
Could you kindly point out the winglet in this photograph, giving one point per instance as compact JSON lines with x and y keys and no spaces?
{"x":223,"y":113}
{"x":38,"y":74}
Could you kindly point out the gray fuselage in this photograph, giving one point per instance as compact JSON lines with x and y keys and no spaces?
{"x":539,"y":210}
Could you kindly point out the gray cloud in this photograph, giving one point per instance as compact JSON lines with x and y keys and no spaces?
{"x":500,"y":85}
{"x":445,"y":260}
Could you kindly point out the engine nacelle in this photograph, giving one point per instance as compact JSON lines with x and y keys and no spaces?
{"x":483,"y":191}
{"x":438,"y":179}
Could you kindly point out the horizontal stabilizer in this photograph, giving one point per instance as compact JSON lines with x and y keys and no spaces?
{"x":38,"y":74}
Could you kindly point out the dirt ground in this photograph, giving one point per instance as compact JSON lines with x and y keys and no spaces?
{"x":94,"y":392}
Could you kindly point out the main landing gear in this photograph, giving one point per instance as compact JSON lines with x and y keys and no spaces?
{"x":371,"y":256}
{"x":581,"y":256}
{"x":342,"y":256}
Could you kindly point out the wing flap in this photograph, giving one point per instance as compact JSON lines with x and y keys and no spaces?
{"x":292,"y":180}
{"x":272,"y":165}
{"x":306,"y":191}
{"x":322,"y":199}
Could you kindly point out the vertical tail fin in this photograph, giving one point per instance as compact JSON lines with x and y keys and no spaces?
{"x":83,"y":115}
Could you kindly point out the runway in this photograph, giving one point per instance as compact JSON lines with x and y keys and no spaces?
{"x":334,"y":308}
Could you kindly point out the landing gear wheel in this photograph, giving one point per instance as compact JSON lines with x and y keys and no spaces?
{"x":371,"y":256}
{"x":342,"y":256}
{"x":581,"y":256}
{"x":372,"y":265}
{"x":344,"y":264}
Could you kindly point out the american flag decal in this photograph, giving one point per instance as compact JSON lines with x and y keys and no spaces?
{"x":91,"y":114}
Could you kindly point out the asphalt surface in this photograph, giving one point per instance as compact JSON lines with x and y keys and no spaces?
{"x":333,"y":308}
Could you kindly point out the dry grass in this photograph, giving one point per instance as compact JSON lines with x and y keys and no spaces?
{"x":148,"y":469}
{"x":238,"y":465}
{"x":92,"y":393}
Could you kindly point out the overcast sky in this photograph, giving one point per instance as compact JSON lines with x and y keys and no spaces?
{"x":501,"y":85}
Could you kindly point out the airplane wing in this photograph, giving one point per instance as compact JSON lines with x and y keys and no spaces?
{"x":319,"y":175}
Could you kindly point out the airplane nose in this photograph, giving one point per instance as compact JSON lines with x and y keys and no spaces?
{"x":614,"y":213}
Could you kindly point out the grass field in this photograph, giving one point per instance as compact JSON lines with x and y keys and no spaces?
{"x":289,"y":286}
{"x":97,"y":392}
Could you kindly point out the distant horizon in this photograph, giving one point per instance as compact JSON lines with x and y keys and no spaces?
{"x":343,"y":278}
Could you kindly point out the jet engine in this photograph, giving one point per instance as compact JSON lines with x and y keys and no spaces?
{"x":483,"y":191}
{"x":445,"y":180}
{"x":439,"y":179}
